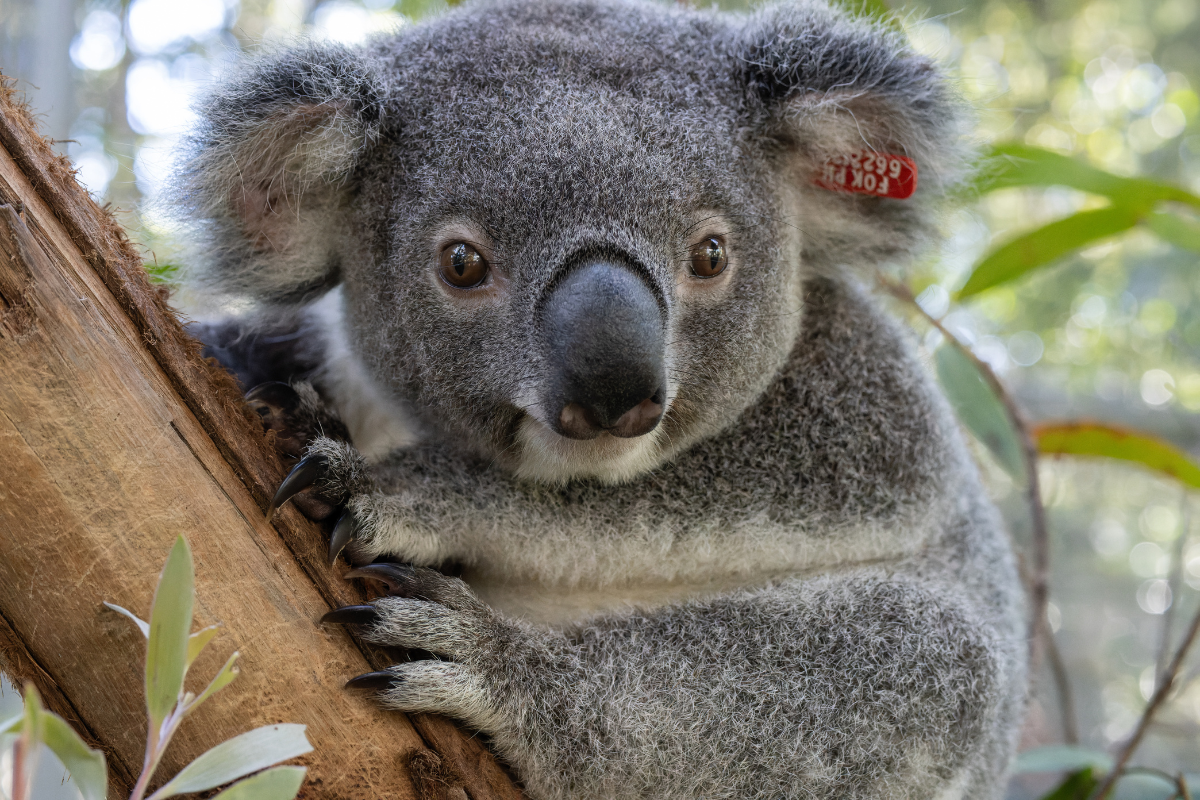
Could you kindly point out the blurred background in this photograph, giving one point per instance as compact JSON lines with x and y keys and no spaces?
{"x":1111,"y":332}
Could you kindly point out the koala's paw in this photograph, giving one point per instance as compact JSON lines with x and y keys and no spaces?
{"x":332,"y":474}
{"x":426,"y":610}
{"x":297,"y":416}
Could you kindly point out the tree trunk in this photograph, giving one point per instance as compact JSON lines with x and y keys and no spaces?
{"x":116,"y":436}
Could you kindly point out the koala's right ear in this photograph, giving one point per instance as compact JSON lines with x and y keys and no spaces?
{"x":267,"y":176}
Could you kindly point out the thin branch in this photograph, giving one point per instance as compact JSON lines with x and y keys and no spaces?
{"x":1173,"y":581}
{"x":1062,"y":681}
{"x":1160,"y":697}
{"x":1038,"y":583}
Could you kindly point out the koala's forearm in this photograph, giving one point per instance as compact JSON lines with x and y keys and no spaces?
{"x":863,"y":686}
{"x":430,"y":507}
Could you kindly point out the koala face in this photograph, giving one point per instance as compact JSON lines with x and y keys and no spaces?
{"x":571,"y":235}
{"x":579,"y":270}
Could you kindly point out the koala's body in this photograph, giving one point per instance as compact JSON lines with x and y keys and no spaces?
{"x":596,"y":338}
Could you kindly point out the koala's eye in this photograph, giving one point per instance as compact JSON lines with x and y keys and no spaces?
{"x":708,"y":258}
{"x":462,"y":266}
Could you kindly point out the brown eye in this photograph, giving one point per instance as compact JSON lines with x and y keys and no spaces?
{"x":708,"y":258}
{"x":462,"y":266}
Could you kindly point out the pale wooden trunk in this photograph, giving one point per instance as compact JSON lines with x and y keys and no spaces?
{"x":115,"y":437}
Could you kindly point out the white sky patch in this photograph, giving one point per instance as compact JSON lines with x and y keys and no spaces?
{"x":99,"y":44}
{"x":156,"y":26}
{"x":350,"y":23}
{"x":159,"y":95}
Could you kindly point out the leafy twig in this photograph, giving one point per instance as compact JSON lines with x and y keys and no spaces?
{"x":1160,"y":695}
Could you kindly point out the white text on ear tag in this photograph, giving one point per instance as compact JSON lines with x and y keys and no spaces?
{"x":868,"y":172}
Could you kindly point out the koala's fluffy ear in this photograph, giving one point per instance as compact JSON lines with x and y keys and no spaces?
{"x":267,"y":177}
{"x":833,"y":86}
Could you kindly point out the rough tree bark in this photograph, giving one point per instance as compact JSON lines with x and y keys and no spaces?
{"x":116,"y":436}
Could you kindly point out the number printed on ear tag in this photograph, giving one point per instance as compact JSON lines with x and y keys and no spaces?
{"x":868,"y":172}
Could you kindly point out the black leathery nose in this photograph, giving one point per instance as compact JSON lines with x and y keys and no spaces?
{"x":605,"y":342}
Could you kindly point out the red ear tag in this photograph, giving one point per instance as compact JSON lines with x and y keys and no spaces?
{"x":868,"y":172}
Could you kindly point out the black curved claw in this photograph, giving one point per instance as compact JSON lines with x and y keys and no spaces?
{"x":373,"y":680}
{"x":304,"y":474}
{"x":275,"y":393}
{"x":352,"y":615}
{"x":395,"y":576}
{"x":343,"y":532}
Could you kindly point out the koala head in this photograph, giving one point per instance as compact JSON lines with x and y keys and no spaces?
{"x":571,"y":234}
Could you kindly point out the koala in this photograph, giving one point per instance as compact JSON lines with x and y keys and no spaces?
{"x":565,"y":312}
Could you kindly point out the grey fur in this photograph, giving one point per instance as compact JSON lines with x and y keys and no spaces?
{"x":794,"y":586}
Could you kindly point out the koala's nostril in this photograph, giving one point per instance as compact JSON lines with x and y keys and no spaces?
{"x":577,"y":422}
{"x":639,"y":420}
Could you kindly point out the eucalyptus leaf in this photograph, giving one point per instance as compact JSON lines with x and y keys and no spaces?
{"x":1047,"y":244}
{"x":1179,"y":231}
{"x":1016,"y":164}
{"x":239,"y":756}
{"x":170,"y":621}
{"x":1076,"y":786}
{"x":143,"y":626}
{"x":85,"y":764}
{"x":978,"y":407}
{"x":1143,"y":786}
{"x":33,"y":722}
{"x":280,"y":783}
{"x":1123,"y":444}
{"x":219,"y":682}
{"x":13,"y":724}
{"x":199,"y":640}
{"x":1062,"y":757}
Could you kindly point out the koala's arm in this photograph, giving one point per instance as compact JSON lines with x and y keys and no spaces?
{"x":860,"y":685}
{"x":844,"y":459}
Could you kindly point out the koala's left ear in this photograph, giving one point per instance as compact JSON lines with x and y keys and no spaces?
{"x":833,"y":88}
{"x":267,"y":177}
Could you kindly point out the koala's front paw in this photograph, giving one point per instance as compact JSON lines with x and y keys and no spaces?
{"x":334,"y":473}
{"x":426,"y":610}
{"x":297,"y":416}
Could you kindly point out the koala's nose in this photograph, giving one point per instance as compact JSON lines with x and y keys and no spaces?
{"x":605,"y":342}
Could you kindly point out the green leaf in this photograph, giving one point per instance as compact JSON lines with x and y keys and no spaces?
{"x":1062,"y":757}
{"x":33,"y":720}
{"x":239,"y":756}
{"x":1179,"y":231}
{"x":13,"y":724}
{"x":170,"y":621}
{"x":281,"y":783}
{"x":1076,"y":786}
{"x":219,"y":682}
{"x":85,"y":764}
{"x":1096,"y":439}
{"x":1015,"y":164}
{"x":1046,"y":244}
{"x":143,"y":626}
{"x":199,"y":640}
{"x":979,"y":408}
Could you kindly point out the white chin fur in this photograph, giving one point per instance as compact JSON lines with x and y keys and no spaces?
{"x":549,"y":458}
